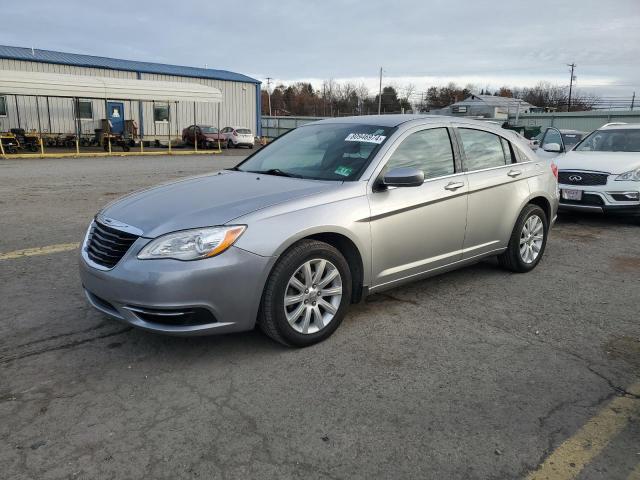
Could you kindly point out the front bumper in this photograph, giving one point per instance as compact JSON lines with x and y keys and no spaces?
{"x":215,"y":295}
{"x":621,"y":198}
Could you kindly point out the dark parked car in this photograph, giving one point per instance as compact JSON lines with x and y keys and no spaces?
{"x":207,"y":136}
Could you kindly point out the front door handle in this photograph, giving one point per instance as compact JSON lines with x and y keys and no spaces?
{"x":453,"y":186}
{"x":514,"y":173}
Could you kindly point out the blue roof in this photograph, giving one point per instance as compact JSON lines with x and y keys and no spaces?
{"x":62,"y":58}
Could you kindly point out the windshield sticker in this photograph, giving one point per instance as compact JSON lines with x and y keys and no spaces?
{"x":365,"y":137}
{"x":344,"y":171}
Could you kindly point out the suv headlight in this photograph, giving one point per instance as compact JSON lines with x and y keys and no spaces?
{"x":631,"y":176}
{"x":192,"y":244}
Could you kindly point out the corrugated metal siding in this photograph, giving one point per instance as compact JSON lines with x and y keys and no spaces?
{"x":583,"y":121}
{"x":239,"y":106}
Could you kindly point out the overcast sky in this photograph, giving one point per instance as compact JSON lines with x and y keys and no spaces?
{"x":425,"y":42}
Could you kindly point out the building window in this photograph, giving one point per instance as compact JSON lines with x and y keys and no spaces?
{"x":3,"y":106}
{"x":85,"y":110}
{"x":160,"y":112}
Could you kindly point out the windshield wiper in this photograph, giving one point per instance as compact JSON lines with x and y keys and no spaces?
{"x":277,"y":172}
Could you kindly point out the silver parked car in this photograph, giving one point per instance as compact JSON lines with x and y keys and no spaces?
{"x":321,"y":217}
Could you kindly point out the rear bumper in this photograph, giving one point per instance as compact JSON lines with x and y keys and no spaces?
{"x":216,"y":295}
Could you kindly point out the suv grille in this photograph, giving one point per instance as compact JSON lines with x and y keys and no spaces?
{"x":582,"y":178}
{"x":106,"y":245}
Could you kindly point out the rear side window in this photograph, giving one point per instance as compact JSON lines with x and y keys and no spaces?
{"x":427,"y":150}
{"x":482,"y":149}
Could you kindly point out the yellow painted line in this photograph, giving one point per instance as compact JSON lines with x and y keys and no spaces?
{"x":635,"y":475}
{"x":568,"y":460}
{"x":30,"y":252}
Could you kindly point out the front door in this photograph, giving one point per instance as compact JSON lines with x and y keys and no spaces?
{"x":418,"y":229}
{"x":115,"y":113}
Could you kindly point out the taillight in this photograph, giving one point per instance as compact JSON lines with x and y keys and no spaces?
{"x":554,"y":169}
{"x":235,"y":134}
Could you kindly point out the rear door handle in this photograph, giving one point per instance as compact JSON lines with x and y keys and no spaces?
{"x":453,"y":186}
{"x":514,"y":173}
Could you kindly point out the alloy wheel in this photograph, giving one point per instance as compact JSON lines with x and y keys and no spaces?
{"x":312,"y":296}
{"x":531,"y":239}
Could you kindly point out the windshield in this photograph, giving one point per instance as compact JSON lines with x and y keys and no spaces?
{"x":570,"y":139}
{"x":331,"y":151}
{"x":209,"y":130}
{"x":243,"y":131}
{"x":611,"y":140}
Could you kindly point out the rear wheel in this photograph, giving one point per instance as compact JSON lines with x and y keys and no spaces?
{"x":307,"y":294}
{"x":528,"y":241}
{"x":229,"y":144}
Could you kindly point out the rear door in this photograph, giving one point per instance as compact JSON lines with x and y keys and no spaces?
{"x":497,"y":188}
{"x":417,"y":229}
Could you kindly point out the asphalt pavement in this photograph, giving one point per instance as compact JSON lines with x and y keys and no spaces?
{"x":475,"y":374}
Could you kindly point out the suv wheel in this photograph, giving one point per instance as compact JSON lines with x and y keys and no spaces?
{"x":528,"y":241}
{"x":306,"y":295}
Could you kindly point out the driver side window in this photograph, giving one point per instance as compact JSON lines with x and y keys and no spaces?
{"x":552,"y":136}
{"x":427,"y":150}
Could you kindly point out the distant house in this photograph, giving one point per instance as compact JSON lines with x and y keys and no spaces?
{"x":488,"y":106}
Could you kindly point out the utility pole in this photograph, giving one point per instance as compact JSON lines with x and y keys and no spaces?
{"x":269,"y":92}
{"x":633,"y":100}
{"x":573,"y":66}
{"x":380,"y":93}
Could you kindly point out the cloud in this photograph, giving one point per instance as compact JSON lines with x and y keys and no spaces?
{"x":488,"y":43}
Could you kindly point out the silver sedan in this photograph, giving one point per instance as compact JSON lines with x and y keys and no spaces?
{"x":323,"y":216}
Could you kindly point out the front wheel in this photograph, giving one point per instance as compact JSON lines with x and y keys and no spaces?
{"x":307,"y":294}
{"x":528,"y":240}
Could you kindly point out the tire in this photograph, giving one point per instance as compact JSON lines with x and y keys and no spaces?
{"x":320,"y":322}
{"x":230,"y":144}
{"x":251,"y":147}
{"x":513,"y":259}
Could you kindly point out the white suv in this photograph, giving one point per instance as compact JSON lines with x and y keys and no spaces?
{"x":238,"y":137}
{"x":602,"y":172}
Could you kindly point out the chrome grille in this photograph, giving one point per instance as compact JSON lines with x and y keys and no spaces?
{"x":106,"y":245}
{"x":582,"y":178}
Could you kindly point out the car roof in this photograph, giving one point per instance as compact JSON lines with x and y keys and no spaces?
{"x":395,"y":120}
{"x":620,"y":126}
{"x":381,"y":120}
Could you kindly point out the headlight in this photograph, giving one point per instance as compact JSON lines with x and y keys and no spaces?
{"x":632,"y":176}
{"x":192,"y":244}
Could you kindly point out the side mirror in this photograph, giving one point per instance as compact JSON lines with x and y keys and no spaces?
{"x":552,"y":147}
{"x":403,"y":177}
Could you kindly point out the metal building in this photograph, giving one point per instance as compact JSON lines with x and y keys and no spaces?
{"x":488,"y":106}
{"x":240,"y":96}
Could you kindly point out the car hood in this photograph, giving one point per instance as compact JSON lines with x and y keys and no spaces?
{"x":208,"y":200}
{"x":610,"y":162}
